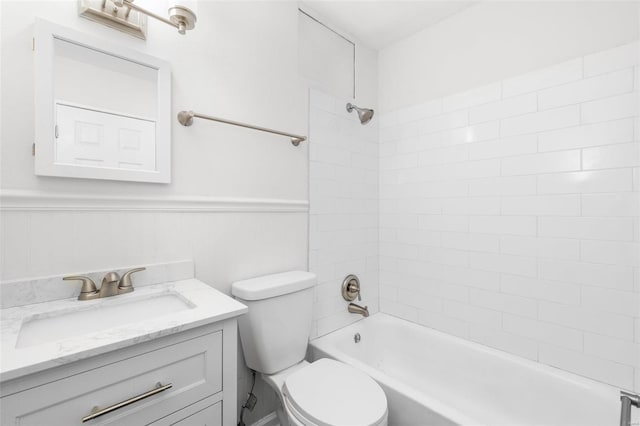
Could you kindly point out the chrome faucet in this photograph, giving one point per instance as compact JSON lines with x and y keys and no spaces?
{"x":351,"y":290}
{"x":357,"y":309}
{"x":109,"y":286}
{"x":112,"y":285}
{"x":627,"y":400}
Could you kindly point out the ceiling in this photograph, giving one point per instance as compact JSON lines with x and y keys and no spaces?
{"x":381,"y":23}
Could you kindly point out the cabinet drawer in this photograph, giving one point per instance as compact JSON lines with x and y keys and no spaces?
{"x":192,"y":367}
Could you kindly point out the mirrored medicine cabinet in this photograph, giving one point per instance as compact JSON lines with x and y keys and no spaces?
{"x":102,"y":111}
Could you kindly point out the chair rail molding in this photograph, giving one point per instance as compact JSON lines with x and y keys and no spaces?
{"x":32,"y":200}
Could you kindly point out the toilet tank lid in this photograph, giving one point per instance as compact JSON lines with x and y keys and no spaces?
{"x":273,"y":285}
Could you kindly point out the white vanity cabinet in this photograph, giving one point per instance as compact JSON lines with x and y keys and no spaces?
{"x":199,"y":364}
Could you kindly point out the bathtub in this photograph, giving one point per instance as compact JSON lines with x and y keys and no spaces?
{"x":431,"y":378}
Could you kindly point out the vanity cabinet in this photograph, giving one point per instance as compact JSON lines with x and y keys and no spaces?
{"x":186,"y":379}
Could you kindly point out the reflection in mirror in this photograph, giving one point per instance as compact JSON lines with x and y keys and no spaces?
{"x":108,"y":107}
{"x":87,"y":76}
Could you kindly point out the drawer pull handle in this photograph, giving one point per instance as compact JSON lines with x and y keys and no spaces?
{"x":96,"y":412}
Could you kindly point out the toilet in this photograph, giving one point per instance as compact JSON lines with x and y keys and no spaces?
{"x":274,"y":336}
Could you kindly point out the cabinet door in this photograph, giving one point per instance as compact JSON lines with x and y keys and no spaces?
{"x":206,"y":412}
{"x":87,"y":137}
{"x":193,"y":368}
{"x":210,"y":416}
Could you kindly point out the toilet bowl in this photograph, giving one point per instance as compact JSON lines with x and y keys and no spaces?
{"x":274,"y":336}
{"x":328,"y":393}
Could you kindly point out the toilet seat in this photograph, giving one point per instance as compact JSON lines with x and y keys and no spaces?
{"x":331,"y":393}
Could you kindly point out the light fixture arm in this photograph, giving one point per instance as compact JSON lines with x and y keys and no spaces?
{"x":182,"y":18}
{"x":134,"y":6}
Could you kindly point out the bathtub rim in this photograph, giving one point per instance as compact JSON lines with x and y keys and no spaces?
{"x":397,"y":385}
{"x":326,"y":345}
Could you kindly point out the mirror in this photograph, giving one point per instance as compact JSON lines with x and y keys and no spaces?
{"x":101,"y":111}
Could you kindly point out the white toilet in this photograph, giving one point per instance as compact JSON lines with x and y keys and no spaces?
{"x":274,"y":335}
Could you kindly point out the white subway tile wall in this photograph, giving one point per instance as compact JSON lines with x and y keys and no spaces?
{"x":509,"y":215}
{"x":343,"y":198}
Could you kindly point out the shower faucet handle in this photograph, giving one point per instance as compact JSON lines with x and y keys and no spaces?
{"x":351,"y":288}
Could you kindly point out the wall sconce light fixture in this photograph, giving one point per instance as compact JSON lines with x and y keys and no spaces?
{"x":131,"y":18}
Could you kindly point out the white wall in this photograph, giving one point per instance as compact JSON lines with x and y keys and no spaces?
{"x":366,"y":66}
{"x":498,"y":39}
{"x":343,"y":191}
{"x":235,"y":64}
{"x":214,"y":71}
{"x":326,"y":57}
{"x":343,"y":184}
{"x":510,"y":215}
{"x":343,"y":220}
{"x":237,"y":204}
{"x":228,"y":66}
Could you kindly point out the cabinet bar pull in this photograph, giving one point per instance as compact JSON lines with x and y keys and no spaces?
{"x":97,"y":412}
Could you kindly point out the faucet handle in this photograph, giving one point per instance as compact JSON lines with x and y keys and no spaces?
{"x":351,"y":288}
{"x":126,"y":285}
{"x":88,"y":286}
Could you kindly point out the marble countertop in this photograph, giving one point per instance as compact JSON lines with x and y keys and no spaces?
{"x":203,"y":305}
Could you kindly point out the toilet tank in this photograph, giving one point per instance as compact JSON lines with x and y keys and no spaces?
{"x":275,"y":331}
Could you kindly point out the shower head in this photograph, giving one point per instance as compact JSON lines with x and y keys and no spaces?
{"x":364,"y":114}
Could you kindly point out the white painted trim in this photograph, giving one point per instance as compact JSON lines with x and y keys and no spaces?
{"x":28,"y":200}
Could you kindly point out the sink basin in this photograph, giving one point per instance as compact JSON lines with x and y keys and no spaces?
{"x":105,"y":314}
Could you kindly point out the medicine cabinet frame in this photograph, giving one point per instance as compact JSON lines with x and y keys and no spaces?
{"x":45,"y":35}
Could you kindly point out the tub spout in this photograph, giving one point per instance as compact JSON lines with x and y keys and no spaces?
{"x":357,"y":309}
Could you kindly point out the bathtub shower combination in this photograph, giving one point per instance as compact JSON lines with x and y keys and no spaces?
{"x":411,"y":213}
{"x":431,"y":378}
{"x":505,"y":214}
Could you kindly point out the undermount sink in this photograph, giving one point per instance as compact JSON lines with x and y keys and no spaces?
{"x":100,"y":315}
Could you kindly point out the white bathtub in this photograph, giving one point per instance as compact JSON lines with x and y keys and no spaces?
{"x":431,"y":378}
